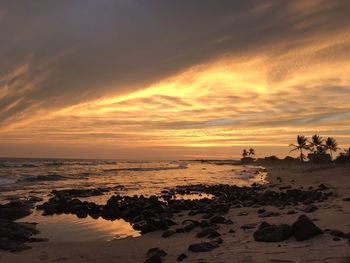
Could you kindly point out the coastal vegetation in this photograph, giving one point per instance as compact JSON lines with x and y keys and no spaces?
{"x":314,"y":150}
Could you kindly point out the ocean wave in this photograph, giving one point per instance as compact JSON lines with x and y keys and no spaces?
{"x":37,"y":178}
{"x":146,"y":169}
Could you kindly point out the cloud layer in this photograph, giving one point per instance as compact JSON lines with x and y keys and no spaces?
{"x":173,"y":73}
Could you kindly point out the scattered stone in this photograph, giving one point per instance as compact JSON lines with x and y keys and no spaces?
{"x":248,"y":226}
{"x":218,"y":220}
{"x":181,"y":257}
{"x":268,"y":214}
{"x":339,"y":234}
{"x":155,"y":255}
{"x":310,"y":208}
{"x":291,"y":212}
{"x":203,"y":247}
{"x":322,"y":187}
{"x":272,"y":233}
{"x":304,"y":228}
{"x":208,"y":232}
{"x":243,"y":213}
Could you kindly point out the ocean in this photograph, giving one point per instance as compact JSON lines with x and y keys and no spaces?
{"x":25,"y":178}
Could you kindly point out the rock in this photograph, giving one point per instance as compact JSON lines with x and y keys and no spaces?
{"x":203,"y":247}
{"x":218,"y":220}
{"x":155,"y":255}
{"x":340,"y":234}
{"x":347,"y":199}
{"x":272,"y":233}
{"x":322,"y":187}
{"x":243,"y":213}
{"x":310,"y":208}
{"x":291,"y":212}
{"x":168,"y":233}
{"x":268,"y":214}
{"x":304,"y":228}
{"x":248,"y":226}
{"x":15,"y":210}
{"x":208,"y":232}
{"x":13,"y":235}
{"x":181,"y":257}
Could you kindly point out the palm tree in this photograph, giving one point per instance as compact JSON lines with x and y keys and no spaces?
{"x":331,"y":145}
{"x":251,"y":152}
{"x":317,"y":144}
{"x":245,"y":153}
{"x":347,"y":152}
{"x":300,"y":146}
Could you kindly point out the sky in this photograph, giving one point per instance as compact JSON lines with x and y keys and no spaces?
{"x":163,"y":79}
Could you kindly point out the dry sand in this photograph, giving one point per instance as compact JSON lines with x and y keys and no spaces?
{"x":237,"y":247}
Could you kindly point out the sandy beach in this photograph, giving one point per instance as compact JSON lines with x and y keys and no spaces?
{"x":238,"y":245}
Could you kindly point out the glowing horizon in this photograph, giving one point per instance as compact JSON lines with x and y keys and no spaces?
{"x":261,"y":97}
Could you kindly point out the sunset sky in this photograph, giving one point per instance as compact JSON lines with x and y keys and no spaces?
{"x":171,"y":79}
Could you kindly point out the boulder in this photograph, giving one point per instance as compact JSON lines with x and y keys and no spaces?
{"x":208,"y":232}
{"x":203,"y":247}
{"x":272,"y":233}
{"x":304,"y":228}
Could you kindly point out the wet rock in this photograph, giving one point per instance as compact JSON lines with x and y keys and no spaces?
{"x":272,"y":233}
{"x":203,"y":247}
{"x":15,"y":210}
{"x":304,"y":228}
{"x":14,"y":235}
{"x":208,"y":232}
{"x":181,"y":257}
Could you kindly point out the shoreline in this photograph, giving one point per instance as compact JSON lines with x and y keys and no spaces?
{"x":238,"y":244}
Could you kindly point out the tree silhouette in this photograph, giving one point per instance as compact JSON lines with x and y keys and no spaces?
{"x":245,"y":153}
{"x":300,"y":146}
{"x":251,"y":152}
{"x":331,"y":145}
{"x":317,"y":144}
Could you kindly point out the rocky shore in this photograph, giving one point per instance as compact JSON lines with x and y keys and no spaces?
{"x":275,"y":213}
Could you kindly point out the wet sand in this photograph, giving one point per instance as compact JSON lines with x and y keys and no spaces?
{"x":239,"y":246}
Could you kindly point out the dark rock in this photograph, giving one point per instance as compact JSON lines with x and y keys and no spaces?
{"x":168,"y":233}
{"x":203,"y":247}
{"x":310,"y":208}
{"x":15,"y":210}
{"x":291,"y":212}
{"x":304,"y":228}
{"x":208,"y":232}
{"x":243,"y":213}
{"x":248,"y":226}
{"x":218,"y":220}
{"x":268,"y":214}
{"x":347,"y":199}
{"x":181,"y":257}
{"x":155,"y":255}
{"x":340,"y":234}
{"x":14,"y":235}
{"x":272,"y":233}
{"x":322,"y":187}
